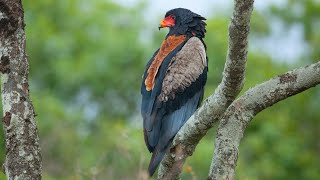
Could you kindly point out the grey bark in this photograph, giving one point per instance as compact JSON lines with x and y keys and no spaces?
{"x":191,"y":133}
{"x":234,"y":115}
{"x":23,"y":158}
{"x":238,"y":115}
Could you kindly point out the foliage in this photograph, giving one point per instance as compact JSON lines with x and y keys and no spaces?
{"x":86,"y":61}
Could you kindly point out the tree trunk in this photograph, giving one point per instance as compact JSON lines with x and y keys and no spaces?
{"x":23,"y":158}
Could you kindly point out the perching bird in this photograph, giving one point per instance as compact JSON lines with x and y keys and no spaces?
{"x":173,"y":82}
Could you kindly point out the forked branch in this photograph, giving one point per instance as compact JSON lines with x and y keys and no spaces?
{"x":197,"y":126}
{"x":238,"y":115}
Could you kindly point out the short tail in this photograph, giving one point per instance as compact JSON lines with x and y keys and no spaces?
{"x":156,"y":158}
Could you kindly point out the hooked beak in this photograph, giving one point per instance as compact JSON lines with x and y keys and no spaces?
{"x":162,"y":24}
{"x":166,"y":22}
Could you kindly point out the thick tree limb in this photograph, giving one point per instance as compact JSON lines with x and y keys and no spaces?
{"x":23,"y":159}
{"x":233,"y":79}
{"x":239,"y":114}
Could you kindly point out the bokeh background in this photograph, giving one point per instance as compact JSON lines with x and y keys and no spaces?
{"x":86,"y":62}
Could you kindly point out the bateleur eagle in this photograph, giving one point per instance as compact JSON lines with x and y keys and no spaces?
{"x":173,"y":81}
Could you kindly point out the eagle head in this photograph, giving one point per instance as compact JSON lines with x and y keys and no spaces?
{"x":182,"y":21}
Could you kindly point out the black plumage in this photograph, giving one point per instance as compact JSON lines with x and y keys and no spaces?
{"x":179,"y":80}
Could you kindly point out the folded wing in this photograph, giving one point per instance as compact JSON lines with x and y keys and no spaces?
{"x":179,"y":94}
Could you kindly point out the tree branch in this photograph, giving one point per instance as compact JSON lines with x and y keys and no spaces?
{"x":197,"y":126}
{"x":240,"y":112}
{"x":23,"y":158}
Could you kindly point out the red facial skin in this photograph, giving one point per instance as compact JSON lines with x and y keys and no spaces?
{"x":168,"y":21}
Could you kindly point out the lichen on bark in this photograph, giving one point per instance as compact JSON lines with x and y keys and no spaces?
{"x":23,"y":156}
{"x":239,"y":114}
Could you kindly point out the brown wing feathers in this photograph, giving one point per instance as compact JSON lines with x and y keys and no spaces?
{"x":184,"y":69}
{"x":167,"y":46}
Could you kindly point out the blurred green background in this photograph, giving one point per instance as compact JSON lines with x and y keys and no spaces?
{"x":86,"y":62}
